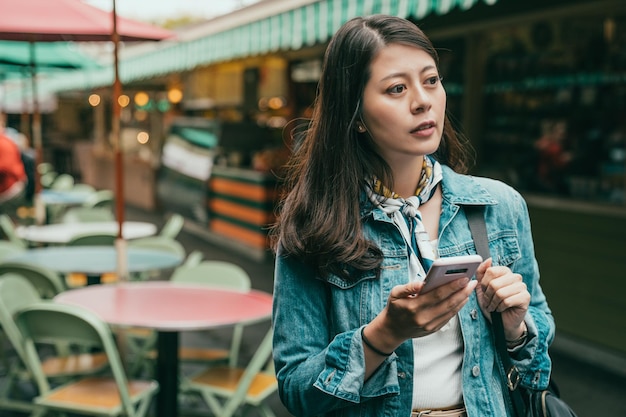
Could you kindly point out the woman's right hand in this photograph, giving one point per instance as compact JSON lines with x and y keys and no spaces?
{"x":409,"y":314}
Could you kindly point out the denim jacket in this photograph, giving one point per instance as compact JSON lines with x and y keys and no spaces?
{"x":318,"y":351}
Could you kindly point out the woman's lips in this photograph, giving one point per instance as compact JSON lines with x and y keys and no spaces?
{"x":425,"y":129}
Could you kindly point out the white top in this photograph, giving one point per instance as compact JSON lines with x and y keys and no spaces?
{"x":437,"y":361}
{"x":437,"y":368}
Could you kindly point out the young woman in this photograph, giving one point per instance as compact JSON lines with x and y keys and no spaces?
{"x":376,"y":190}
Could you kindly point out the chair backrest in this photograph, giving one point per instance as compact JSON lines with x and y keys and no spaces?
{"x":172,"y":226}
{"x":63,"y":182}
{"x":8,"y":230}
{"x":44,"y":167}
{"x":83,"y":188}
{"x":93,"y":239}
{"x":87,"y":214}
{"x":215,"y":273}
{"x":100,"y":198}
{"x":218,"y":274}
{"x":8,"y":248}
{"x":46,"y":282}
{"x":16,"y":293}
{"x":162,"y":243}
{"x":44,"y":322}
{"x":194,"y":258}
{"x":47,"y":178}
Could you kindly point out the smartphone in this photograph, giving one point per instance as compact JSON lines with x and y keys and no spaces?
{"x":444,"y":270}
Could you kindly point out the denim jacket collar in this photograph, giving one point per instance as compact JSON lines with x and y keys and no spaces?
{"x":457,"y":190}
{"x":464,"y":190}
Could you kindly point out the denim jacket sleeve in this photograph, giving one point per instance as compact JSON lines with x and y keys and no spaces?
{"x":324,"y":371}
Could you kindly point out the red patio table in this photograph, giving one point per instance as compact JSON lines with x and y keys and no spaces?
{"x":170,"y":308}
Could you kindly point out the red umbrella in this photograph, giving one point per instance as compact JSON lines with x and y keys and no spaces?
{"x":68,"y":20}
{"x":73,"y":20}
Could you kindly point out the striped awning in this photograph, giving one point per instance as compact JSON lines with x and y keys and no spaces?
{"x":297,"y":24}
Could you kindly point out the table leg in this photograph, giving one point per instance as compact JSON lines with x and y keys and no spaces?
{"x":93,"y":279}
{"x":167,"y":374}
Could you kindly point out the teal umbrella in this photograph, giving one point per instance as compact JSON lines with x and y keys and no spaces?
{"x":27,"y":59}
{"x":16,"y":60}
{"x":50,"y":55}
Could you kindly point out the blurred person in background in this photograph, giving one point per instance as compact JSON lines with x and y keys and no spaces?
{"x":552,"y":158}
{"x":13,"y":178}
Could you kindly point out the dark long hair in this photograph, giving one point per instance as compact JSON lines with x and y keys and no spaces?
{"x":319,"y":219}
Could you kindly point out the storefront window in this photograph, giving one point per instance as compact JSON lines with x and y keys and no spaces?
{"x":555,"y":107}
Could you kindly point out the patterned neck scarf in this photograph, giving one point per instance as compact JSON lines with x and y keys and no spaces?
{"x":406,"y":215}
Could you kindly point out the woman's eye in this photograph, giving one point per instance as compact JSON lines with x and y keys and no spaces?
{"x":397,"y":89}
{"x":433,"y":80}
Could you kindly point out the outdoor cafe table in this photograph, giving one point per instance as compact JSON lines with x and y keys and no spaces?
{"x":94,"y":261}
{"x":61,"y":233}
{"x":170,"y":308}
{"x":64,"y":197}
{"x":61,"y":198}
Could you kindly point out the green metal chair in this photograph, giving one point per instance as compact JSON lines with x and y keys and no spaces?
{"x":16,"y":293}
{"x":7,"y":226}
{"x":79,"y":279}
{"x":160,"y":243}
{"x":63,"y":182}
{"x":218,"y":274}
{"x":83,"y":188}
{"x":193,"y":259}
{"x":47,"y":178}
{"x":93,"y":239}
{"x":8,"y":248}
{"x":214,"y":273}
{"x":44,"y":167}
{"x":87,"y":214}
{"x":113,"y":395}
{"x":172,"y":226}
{"x":101,"y":199}
{"x":228,"y":389}
{"x":163,"y":243}
{"x":47,"y":282}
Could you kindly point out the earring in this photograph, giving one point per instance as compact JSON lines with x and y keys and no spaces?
{"x":360,"y":128}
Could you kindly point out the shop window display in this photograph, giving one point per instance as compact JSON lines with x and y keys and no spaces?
{"x":555,"y":107}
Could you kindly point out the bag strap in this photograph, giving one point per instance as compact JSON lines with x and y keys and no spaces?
{"x":478,"y":228}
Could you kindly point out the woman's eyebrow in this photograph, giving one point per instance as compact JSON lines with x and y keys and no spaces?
{"x":403,"y":74}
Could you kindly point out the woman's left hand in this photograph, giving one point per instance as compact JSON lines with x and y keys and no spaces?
{"x":502,"y":290}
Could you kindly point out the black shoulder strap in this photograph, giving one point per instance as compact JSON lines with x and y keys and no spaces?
{"x":476,"y":219}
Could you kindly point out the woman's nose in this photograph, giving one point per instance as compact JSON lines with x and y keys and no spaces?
{"x":420,"y":100}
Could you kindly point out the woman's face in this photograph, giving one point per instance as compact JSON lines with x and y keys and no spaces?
{"x":404,"y":104}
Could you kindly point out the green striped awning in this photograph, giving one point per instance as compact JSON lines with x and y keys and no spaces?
{"x":298,"y":23}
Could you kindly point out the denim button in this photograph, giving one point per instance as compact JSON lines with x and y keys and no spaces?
{"x":476,"y":370}
{"x":401,"y":375}
{"x":474,"y":314}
